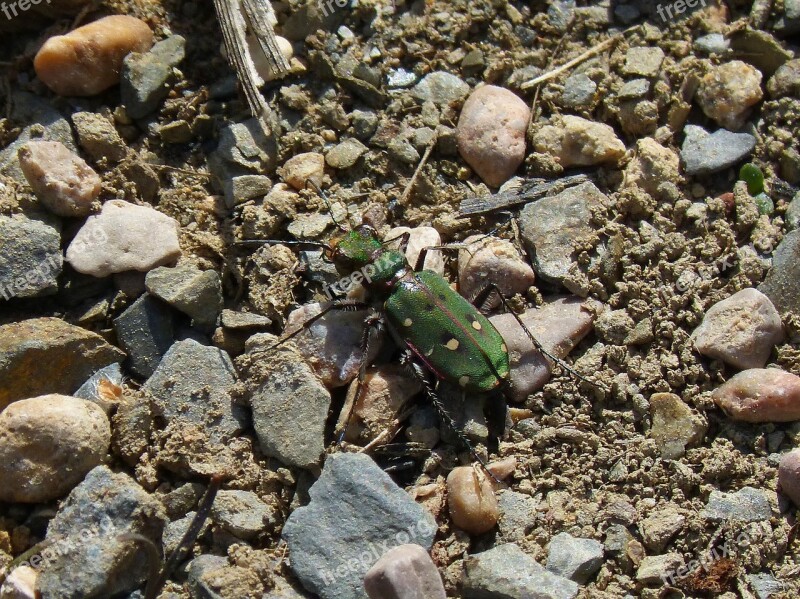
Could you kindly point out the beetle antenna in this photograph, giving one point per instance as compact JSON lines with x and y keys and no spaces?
{"x":320,"y":193}
{"x":316,"y":244}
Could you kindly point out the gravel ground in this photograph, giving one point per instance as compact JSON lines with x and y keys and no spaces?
{"x":665,"y":277}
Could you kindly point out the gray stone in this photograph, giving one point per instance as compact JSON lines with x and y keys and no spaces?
{"x":243,"y":149}
{"x":551,"y":226}
{"x":356,"y":514}
{"x":96,"y":560}
{"x":507,"y":572}
{"x":192,"y":384}
{"x":175,"y":530}
{"x":782,"y":284}
{"x":197,"y":293}
{"x":575,"y":558}
{"x":145,"y":77}
{"x":747,"y":504}
{"x":290,"y":406}
{"x":245,"y":187}
{"x":401,"y":150}
{"x":243,"y":321}
{"x":626,"y":13}
{"x":200,"y":573}
{"x":793,"y":213}
{"x":636,"y":88}
{"x":705,"y":153}
{"x":30,"y":257}
{"x":88,"y":390}
{"x":41,"y":122}
{"x":713,"y":43}
{"x":644,"y":61}
{"x":765,"y":585}
{"x":145,"y":331}
{"x":364,"y":124}
{"x":560,"y":13}
{"x":517,"y":514}
{"x":345,"y":154}
{"x":441,"y":88}
{"x":661,"y":526}
{"x":579,"y":90}
{"x":655,"y":569}
{"x":242,"y":513}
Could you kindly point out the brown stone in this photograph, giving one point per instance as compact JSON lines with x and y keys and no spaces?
{"x":471,"y":499}
{"x":760,"y":395}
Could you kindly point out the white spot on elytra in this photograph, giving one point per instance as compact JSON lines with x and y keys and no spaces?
{"x":463,"y":381}
{"x":476,"y":325}
{"x":452,"y":344}
{"x":408,"y":322}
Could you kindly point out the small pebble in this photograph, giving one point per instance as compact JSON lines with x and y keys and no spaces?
{"x":675,"y":426}
{"x":747,"y":504}
{"x":197,"y":293}
{"x":576,"y":141}
{"x":345,"y":154}
{"x":786,"y":80}
{"x":644,"y":61}
{"x":242,"y":513}
{"x":652,"y":165}
{"x":298,"y":169}
{"x":492,"y":260}
{"x":471,"y":500}
{"x":491,"y":133}
{"x":782,"y":284}
{"x":789,"y":475}
{"x":48,"y":444}
{"x":713,"y":43}
{"x":574,"y":558}
{"x":441,"y":88}
{"x":760,"y":395}
{"x":654,"y":568}
{"x":728,"y":91}
{"x":705,"y":153}
{"x":111,"y":242}
{"x":579,"y":91}
{"x":404,"y":572}
{"x":88,"y":60}
{"x":741,"y":330}
{"x":61,"y":179}
{"x":418,"y":239}
{"x":98,"y":137}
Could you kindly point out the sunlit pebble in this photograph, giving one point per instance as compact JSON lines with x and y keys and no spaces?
{"x":88,"y":60}
{"x":471,"y":500}
{"x":728,"y":199}
{"x":760,"y":395}
{"x":789,"y":475}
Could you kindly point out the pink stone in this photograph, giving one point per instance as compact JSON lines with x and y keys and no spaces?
{"x":404,"y":572}
{"x":491,"y":133}
{"x":740,"y":330}
{"x":789,"y":475}
{"x":760,"y":395}
{"x":492,"y":260}
{"x":558,"y":325}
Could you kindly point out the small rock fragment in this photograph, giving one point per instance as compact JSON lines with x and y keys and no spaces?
{"x":740,"y":330}
{"x":747,"y":504}
{"x":98,"y":137}
{"x":48,"y":444}
{"x":575,"y":141}
{"x":345,"y":154}
{"x":574,"y":558}
{"x":96,"y":559}
{"x":705,"y":153}
{"x":88,"y":60}
{"x":659,"y":528}
{"x":30,"y":260}
{"x":242,"y":513}
{"x":657,"y":569}
{"x":517,"y":514}
{"x":491,"y":133}
{"x":471,"y":500}
{"x":760,"y":395}
{"x":728,"y":91}
{"x":675,"y":426}
{"x":489,"y":260}
{"x":62,"y":180}
{"x":644,"y":61}
{"x":441,"y":88}
{"x":331,"y":560}
{"x":47,"y":355}
{"x":332,"y":344}
{"x":782,"y":284}
{"x":558,"y":325}
{"x":506,"y":571}
{"x":579,"y":91}
{"x":290,"y":405}
{"x":197,"y":293}
{"x":652,"y":165}
{"x":146,"y":77}
{"x":307,"y":166}
{"x":789,"y":475}
{"x":145,"y":330}
{"x":20,"y":584}
{"x":111,"y":242}
{"x":404,"y":572}
{"x":785,"y":81}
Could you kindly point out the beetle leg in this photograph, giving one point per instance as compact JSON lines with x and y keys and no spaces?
{"x":423,"y":253}
{"x":444,"y":415}
{"x":481,"y":298}
{"x":374,"y":322}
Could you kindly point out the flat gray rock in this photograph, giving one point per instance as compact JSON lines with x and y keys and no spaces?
{"x":517,"y":514}
{"x":192,"y":384}
{"x":782,"y":284}
{"x":146,"y":76}
{"x":94,"y":560}
{"x":30,"y":257}
{"x":145,"y":331}
{"x":242,"y":513}
{"x":747,"y":504}
{"x":197,"y":293}
{"x":356,"y":514}
{"x":509,"y":573}
{"x":441,"y":88}
{"x":574,"y":558}
{"x":704,"y":153}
